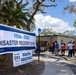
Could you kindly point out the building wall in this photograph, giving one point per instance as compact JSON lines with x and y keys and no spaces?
{"x":59,"y":39}
{"x":47,"y":38}
{"x":64,"y":40}
{"x":54,"y":38}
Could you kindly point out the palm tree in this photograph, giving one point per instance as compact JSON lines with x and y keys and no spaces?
{"x":74,"y":24}
{"x":15,"y":14}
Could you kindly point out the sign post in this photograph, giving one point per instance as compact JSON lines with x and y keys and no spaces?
{"x":39,"y":30}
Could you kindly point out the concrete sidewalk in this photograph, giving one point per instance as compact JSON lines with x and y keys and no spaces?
{"x":55,"y":65}
{"x":56,"y":69}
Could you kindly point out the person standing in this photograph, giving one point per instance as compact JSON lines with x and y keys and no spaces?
{"x":37,"y":49}
{"x":74,"y":49}
{"x":63,"y":49}
{"x":70,"y":47}
{"x":49,"y":47}
{"x":53,"y":47}
{"x":56,"y":48}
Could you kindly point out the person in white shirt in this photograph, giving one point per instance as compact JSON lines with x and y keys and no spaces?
{"x":70,"y":47}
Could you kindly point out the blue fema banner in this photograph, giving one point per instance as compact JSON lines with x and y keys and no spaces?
{"x":14,"y":39}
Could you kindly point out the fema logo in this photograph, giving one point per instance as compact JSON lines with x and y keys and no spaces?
{"x":17,"y":57}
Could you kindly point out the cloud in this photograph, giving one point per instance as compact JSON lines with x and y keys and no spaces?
{"x":72,"y":0}
{"x":48,"y":21}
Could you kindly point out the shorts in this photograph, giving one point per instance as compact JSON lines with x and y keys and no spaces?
{"x":56,"y":50}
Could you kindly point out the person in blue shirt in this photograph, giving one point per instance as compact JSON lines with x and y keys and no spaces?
{"x":56,"y":48}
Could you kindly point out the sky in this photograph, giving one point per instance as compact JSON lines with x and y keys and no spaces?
{"x":56,"y":18}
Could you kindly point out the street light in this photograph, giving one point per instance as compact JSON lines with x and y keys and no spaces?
{"x":39,"y":30}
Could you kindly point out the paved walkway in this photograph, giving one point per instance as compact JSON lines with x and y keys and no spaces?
{"x":58,"y":65}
